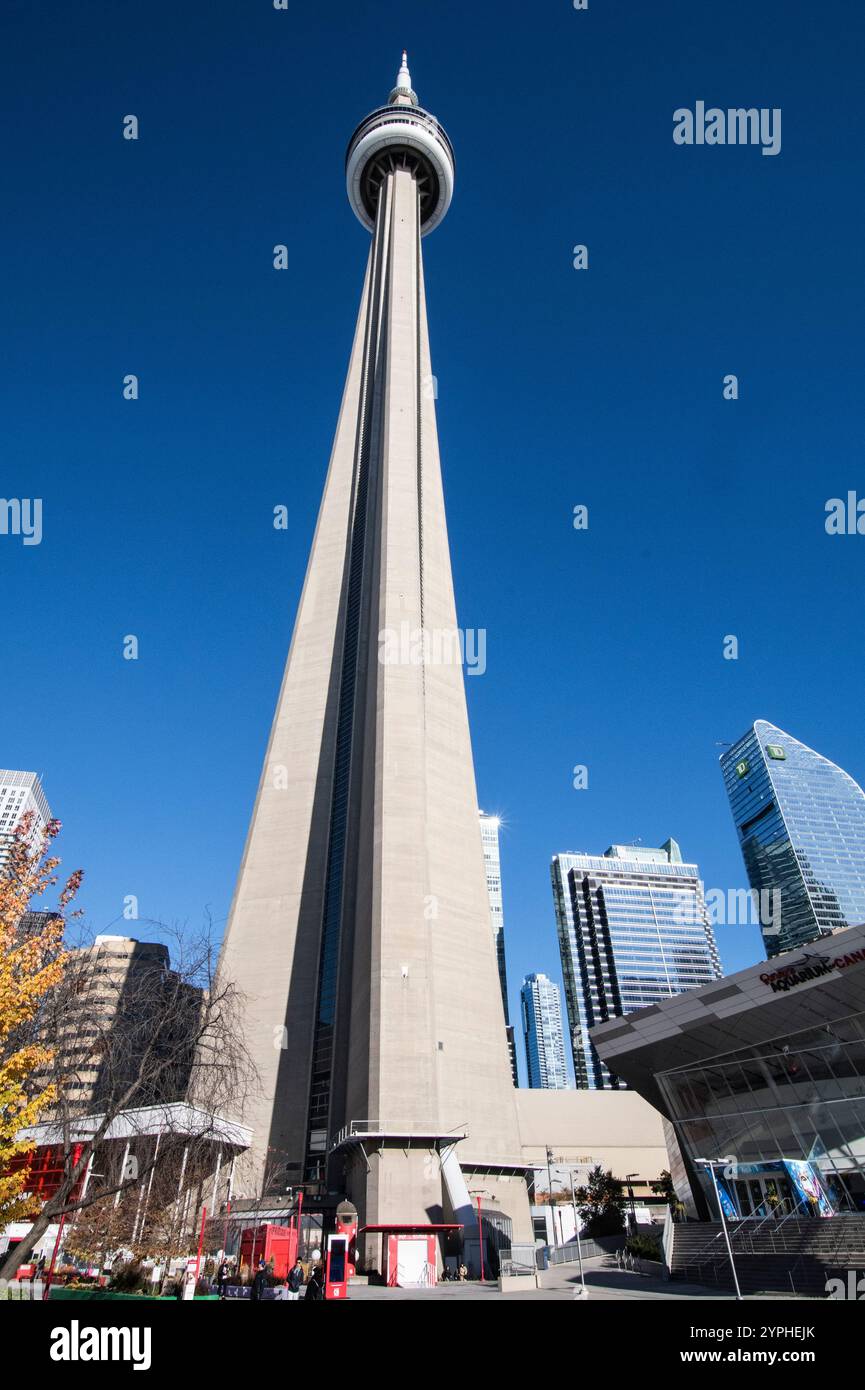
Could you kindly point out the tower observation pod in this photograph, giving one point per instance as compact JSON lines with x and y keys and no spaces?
{"x":359,"y":934}
{"x":400,"y":135}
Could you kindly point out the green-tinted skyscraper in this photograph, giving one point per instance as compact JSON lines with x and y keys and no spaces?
{"x":801,"y":824}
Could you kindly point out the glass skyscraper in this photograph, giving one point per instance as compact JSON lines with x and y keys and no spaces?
{"x":544,"y":1033}
{"x":493,"y":865}
{"x":801,"y":825}
{"x":633,"y":929}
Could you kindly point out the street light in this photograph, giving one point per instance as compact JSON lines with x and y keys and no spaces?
{"x":480,"y":1192}
{"x":584,"y":1292}
{"x":550,"y":1190}
{"x":710,"y":1164}
{"x":628,"y":1179}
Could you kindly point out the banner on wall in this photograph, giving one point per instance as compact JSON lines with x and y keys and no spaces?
{"x":806,"y":1183}
{"x":728,"y":1206}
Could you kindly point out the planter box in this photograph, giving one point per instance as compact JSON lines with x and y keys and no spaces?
{"x":62,"y":1295}
{"x":517,"y":1283}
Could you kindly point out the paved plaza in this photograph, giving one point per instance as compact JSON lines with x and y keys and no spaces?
{"x":604,"y":1282}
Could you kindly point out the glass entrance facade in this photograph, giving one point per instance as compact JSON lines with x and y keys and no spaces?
{"x":763,"y":1193}
{"x":786,"y":1119}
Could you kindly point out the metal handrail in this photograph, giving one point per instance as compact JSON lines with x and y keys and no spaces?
{"x":774,"y":1222}
{"x":570,"y":1252}
{"x":740,"y":1235}
{"x":831,"y":1255}
{"x":741,"y":1231}
{"x":510,"y":1267}
{"x":355,"y":1127}
{"x":703,"y":1255}
{"x":700,"y":1274}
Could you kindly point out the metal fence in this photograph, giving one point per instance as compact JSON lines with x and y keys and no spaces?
{"x":568,"y":1254}
{"x":521,"y":1259}
{"x":22,"y":1290}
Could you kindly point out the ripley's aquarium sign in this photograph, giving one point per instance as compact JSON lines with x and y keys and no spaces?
{"x":809,"y":966}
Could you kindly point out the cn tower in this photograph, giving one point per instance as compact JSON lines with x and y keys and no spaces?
{"x":359,"y":932}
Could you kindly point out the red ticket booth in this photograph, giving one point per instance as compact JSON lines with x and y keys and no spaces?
{"x":340,"y":1256}
{"x":269,"y":1242}
{"x":409,"y":1253}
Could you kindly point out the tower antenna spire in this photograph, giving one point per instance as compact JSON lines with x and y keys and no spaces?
{"x":402,"y":94}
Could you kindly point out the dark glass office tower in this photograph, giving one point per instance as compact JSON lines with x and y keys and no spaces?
{"x":633,"y":929}
{"x":801,"y":824}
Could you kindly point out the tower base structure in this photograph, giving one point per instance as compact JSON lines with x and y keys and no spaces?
{"x":399,"y":1182}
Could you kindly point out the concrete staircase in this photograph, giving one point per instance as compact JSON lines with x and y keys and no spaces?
{"x":793,"y":1257}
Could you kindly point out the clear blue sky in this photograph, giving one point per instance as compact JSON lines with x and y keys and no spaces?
{"x":555,"y":388}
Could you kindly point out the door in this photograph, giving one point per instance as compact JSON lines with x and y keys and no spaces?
{"x":763,"y":1196}
{"x":743,"y":1197}
{"x":411,"y":1262}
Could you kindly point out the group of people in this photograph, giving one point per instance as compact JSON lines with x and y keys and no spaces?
{"x":290,"y":1290}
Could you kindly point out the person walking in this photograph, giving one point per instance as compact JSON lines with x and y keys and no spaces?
{"x":222,"y":1278}
{"x":295,"y":1281}
{"x":315,"y":1285}
{"x":259,"y":1283}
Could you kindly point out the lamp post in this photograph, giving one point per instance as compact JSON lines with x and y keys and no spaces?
{"x":583,"y":1290}
{"x":628,"y":1180}
{"x":200,"y":1243}
{"x":550,"y":1192}
{"x":299,"y":1222}
{"x":577,"y":1233}
{"x":46,"y":1288}
{"x":710,"y":1164}
{"x":480,"y":1192}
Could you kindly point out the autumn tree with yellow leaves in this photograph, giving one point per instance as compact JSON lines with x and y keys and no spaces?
{"x":160,"y":1057}
{"x":31,"y":967}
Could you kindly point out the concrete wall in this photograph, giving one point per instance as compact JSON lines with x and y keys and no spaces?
{"x":617,"y":1129}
